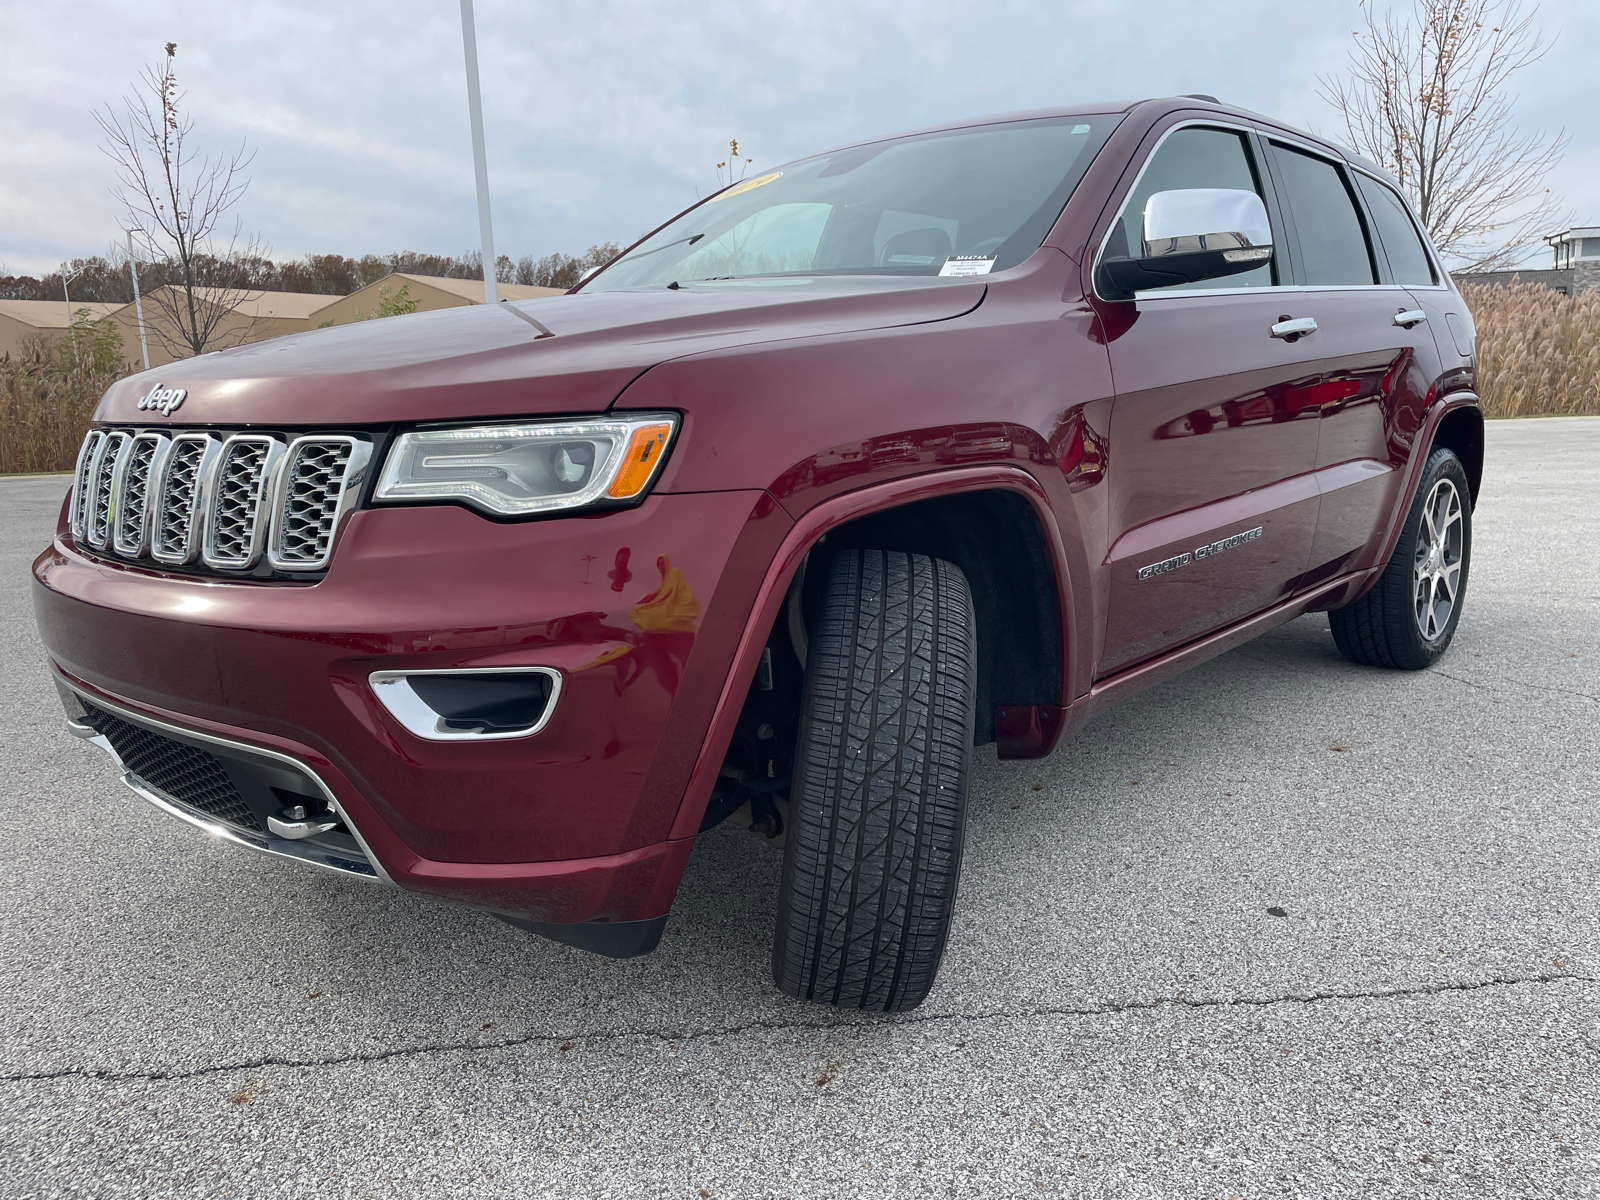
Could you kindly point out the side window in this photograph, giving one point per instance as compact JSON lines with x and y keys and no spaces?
{"x":1192,"y":158}
{"x":1408,"y":260}
{"x":1333,"y":243}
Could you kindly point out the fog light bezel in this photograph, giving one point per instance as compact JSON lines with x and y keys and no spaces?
{"x":402,"y":702}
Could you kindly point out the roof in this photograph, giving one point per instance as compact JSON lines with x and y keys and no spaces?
{"x":472,"y":289}
{"x":251,"y":303}
{"x":1587,"y":231}
{"x":50,"y":314}
{"x":1110,"y":108}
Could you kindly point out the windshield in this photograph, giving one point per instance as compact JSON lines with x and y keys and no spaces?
{"x":955,"y":203}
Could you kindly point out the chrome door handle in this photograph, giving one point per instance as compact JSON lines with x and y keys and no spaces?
{"x":1293,"y":327}
{"x":1406,"y":318}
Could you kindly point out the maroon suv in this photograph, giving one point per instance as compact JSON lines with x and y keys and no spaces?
{"x":932,"y":441}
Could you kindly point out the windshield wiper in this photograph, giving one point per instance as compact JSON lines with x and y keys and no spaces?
{"x":647,"y":253}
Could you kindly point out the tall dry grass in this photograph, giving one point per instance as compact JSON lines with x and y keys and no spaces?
{"x":45,"y":406}
{"x":1538,"y":351}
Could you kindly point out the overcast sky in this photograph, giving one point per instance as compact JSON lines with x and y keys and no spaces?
{"x":605,"y":117}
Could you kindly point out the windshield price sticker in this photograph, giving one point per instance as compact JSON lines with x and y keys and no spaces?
{"x":967,"y":264}
{"x":748,"y":185}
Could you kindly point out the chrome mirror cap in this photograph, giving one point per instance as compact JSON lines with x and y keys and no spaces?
{"x":1194,"y":219}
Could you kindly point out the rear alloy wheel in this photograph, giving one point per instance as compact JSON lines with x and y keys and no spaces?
{"x":879,"y":801}
{"x":1408,"y":618}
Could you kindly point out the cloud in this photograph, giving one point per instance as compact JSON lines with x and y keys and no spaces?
{"x":606,"y":117}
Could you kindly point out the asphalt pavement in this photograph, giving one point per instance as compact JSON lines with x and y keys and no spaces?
{"x":1120,"y":1013}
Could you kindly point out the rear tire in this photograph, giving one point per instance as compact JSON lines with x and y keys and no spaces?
{"x":878,"y":808}
{"x":1409,"y":617}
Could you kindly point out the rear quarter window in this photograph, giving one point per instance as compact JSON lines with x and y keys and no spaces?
{"x":1408,"y":259}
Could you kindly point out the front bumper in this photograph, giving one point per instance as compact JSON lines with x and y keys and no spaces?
{"x":572,"y":824}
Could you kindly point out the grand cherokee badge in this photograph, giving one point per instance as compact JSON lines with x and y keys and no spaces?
{"x":1206,"y":551}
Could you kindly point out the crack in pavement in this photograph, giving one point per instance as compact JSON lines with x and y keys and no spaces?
{"x":892,"y":1021}
{"x":1538,"y":687}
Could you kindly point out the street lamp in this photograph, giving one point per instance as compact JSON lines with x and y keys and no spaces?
{"x":469,"y":45}
{"x":138,"y":307}
{"x":72,"y":336}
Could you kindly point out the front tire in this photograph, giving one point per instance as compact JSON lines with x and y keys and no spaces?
{"x":878,"y":809}
{"x":1410,"y":616}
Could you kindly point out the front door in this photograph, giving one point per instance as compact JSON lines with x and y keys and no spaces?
{"x":1213,"y":429}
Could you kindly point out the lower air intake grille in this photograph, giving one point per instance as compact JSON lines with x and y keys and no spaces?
{"x":183,"y":774}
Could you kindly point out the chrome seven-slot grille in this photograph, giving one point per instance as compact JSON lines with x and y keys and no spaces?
{"x":225,"y":502}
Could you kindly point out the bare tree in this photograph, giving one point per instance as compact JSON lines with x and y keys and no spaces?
{"x":176,"y":199}
{"x":1426,"y":97}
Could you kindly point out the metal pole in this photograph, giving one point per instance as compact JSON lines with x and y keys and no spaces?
{"x":71,"y":334}
{"x":469,"y":44}
{"x":138,"y":308}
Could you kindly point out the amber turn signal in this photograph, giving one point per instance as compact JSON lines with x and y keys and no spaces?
{"x":639,"y":463}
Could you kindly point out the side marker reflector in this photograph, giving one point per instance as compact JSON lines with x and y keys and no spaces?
{"x":640,"y":461}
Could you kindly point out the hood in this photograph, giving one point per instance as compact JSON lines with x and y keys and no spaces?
{"x":478,"y":361}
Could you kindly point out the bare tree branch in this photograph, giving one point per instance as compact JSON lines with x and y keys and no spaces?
{"x":1426,"y":98}
{"x":175,"y":200}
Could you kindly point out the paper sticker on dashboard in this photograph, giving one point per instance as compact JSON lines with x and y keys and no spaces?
{"x":967,"y":264}
{"x":748,"y":185}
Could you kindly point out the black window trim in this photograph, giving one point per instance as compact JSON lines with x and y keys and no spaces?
{"x":1341,"y":164}
{"x":1440,"y":275}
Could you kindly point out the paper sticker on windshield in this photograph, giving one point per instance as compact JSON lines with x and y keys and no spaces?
{"x":747,"y":185}
{"x":967,"y":264}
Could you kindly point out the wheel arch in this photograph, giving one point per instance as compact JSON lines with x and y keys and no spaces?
{"x":894,"y":510}
{"x":1001,"y":549}
{"x":1461,"y":429}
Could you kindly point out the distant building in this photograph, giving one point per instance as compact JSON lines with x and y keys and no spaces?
{"x":251,"y":317}
{"x":24,"y":320}
{"x":1577,"y":249}
{"x":1576,"y":268}
{"x":427,"y":292}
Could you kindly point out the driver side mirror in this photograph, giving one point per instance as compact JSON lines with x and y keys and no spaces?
{"x":1189,"y":235}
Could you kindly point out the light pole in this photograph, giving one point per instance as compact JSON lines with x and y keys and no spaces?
{"x":72,"y":335}
{"x":138,"y":308}
{"x":469,"y":44}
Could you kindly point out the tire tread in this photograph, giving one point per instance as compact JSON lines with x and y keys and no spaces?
{"x":878,"y":817}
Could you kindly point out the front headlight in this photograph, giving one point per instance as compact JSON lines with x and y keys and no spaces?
{"x":518,"y":470}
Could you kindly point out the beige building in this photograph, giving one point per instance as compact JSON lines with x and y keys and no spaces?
{"x":255,"y":317}
{"x":24,"y":320}
{"x":428,"y":292}
{"x":251,"y":317}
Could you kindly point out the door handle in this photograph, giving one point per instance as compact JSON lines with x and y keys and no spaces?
{"x":1291,"y":328}
{"x":1406,"y":318}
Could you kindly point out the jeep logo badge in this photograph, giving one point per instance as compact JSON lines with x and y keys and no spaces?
{"x":163,"y":400}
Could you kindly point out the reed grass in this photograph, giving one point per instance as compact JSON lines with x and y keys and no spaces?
{"x":45,"y":408}
{"x":1538,"y":351}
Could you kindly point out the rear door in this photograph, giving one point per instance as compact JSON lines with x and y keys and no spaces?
{"x":1375,"y":372}
{"x":1213,"y":429}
